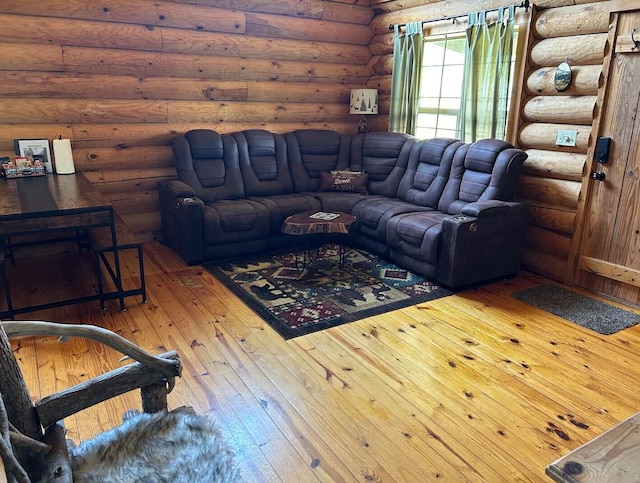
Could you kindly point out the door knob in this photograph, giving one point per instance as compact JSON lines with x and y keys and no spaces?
{"x":598,"y":175}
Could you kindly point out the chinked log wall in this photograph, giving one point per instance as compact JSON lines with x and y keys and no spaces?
{"x":552,"y":181}
{"x":120,"y":78}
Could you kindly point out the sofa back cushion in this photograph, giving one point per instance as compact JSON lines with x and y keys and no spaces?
{"x":428,"y":171}
{"x":263,"y":163}
{"x":488,"y":170}
{"x":314,"y":151}
{"x":208,"y":162}
{"x":384,"y":157}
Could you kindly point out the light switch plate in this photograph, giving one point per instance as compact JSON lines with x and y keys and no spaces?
{"x":566,"y":138}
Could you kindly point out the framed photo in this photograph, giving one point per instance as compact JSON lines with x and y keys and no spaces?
{"x":35,"y":150}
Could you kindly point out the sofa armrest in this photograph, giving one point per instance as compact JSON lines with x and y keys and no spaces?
{"x":182,"y":215}
{"x":481,"y":209}
{"x":483,"y":248}
{"x":177,"y":189}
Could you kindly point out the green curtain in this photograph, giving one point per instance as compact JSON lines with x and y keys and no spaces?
{"x":405,"y":79}
{"x":486,"y":76}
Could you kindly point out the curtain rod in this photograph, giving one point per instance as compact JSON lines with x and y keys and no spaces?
{"x":524,"y":5}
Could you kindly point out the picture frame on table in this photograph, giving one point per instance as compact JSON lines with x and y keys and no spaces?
{"x":35,"y":150}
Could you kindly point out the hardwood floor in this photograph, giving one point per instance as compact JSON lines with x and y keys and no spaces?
{"x":473,"y":387}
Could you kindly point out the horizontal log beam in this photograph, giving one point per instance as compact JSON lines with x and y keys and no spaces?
{"x":560,"y":109}
{"x":82,"y":110}
{"x":293,"y":8}
{"x":552,"y":192}
{"x":554,"y":164}
{"x":547,"y":241}
{"x":126,"y":202}
{"x":206,"y":43}
{"x":576,"y":50}
{"x":543,"y":136}
{"x":585,"y":81}
{"x":80,"y":86}
{"x":58,"y":31}
{"x":113,"y":61}
{"x":419,"y":10}
{"x":544,"y":264}
{"x":147,"y":13}
{"x":101,"y":178}
{"x":276,"y":26}
{"x":32,"y":131}
{"x":30,"y":57}
{"x":135,"y":157}
{"x":571,"y":20}
{"x":560,"y":220}
{"x":253,"y":112}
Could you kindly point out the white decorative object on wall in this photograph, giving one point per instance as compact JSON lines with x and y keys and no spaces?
{"x":364,"y":101}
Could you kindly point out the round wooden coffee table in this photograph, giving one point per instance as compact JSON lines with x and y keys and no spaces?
{"x":319,"y":222}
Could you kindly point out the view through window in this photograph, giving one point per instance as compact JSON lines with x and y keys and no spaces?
{"x":441,"y":86}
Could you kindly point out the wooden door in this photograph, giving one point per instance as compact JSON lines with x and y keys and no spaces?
{"x":609,"y":260}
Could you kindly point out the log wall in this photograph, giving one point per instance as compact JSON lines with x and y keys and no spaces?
{"x":120,"y":78}
{"x":552,"y":181}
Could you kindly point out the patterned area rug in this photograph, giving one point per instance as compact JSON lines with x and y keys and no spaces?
{"x":296,"y":302}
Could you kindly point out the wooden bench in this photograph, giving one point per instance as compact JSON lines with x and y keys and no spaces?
{"x":101,"y":243}
{"x":612,"y":456}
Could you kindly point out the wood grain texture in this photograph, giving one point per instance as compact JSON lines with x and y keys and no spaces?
{"x":543,"y":135}
{"x":611,"y":454}
{"x":106,"y":75}
{"x":407,"y":396}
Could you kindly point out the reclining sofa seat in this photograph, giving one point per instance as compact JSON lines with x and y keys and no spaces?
{"x":205,"y":213}
{"x":283,"y":178}
{"x":383,"y":156}
{"x":477,"y":233}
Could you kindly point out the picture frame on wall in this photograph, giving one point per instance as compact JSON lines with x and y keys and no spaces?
{"x":35,"y":150}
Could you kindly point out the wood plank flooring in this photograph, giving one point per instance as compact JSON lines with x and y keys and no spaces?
{"x":473,"y":387}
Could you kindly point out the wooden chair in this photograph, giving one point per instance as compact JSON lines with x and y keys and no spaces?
{"x":32,"y":436}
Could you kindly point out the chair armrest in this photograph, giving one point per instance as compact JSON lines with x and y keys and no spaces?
{"x":483,"y":248}
{"x":98,"y":389}
{"x":182,"y":216}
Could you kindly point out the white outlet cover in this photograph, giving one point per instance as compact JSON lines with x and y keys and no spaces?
{"x":566,"y":138}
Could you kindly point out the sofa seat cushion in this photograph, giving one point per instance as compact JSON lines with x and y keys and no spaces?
{"x":339,"y":201}
{"x":374,"y":213}
{"x":282,"y":206}
{"x":234,"y":221}
{"x":416,"y":235}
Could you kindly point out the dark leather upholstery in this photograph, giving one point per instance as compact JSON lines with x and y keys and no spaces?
{"x":384,"y":156}
{"x":439,"y":207}
{"x":264,"y":164}
{"x":479,"y":177}
{"x":312,"y":151}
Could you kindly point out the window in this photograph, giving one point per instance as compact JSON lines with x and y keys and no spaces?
{"x":441,"y":85}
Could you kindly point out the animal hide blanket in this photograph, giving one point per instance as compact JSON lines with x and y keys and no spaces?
{"x":176,"y":446}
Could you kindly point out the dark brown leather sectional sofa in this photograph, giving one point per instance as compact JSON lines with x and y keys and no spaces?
{"x":439,"y":207}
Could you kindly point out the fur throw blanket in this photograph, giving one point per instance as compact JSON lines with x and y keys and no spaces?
{"x":176,"y":446}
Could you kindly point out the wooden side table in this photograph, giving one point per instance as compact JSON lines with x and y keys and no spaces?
{"x":319,"y":222}
{"x":612,"y":456}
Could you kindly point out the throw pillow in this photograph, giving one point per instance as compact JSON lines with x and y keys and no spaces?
{"x":349,"y":181}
